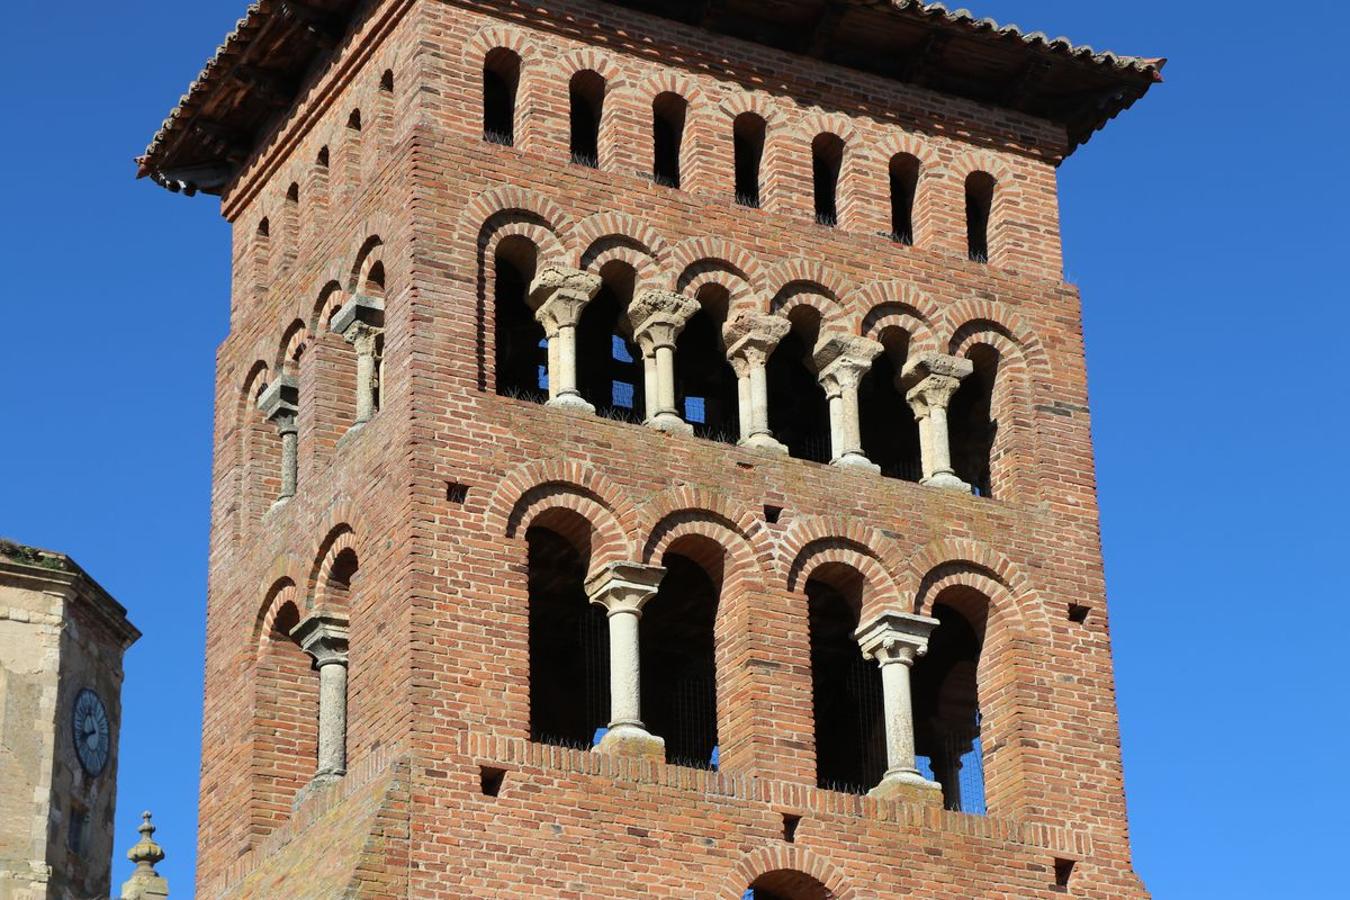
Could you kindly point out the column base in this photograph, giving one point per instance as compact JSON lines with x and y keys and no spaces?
{"x":571,"y":403}
{"x":855,"y":461}
{"x":317,"y":785}
{"x":946,"y":481}
{"x":763,"y":441}
{"x":908,"y":787}
{"x":669,"y":423}
{"x":632,"y":740}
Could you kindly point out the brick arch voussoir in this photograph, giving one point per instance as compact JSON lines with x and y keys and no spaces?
{"x":526,"y":491}
{"x":666,"y":80}
{"x":951,"y":561}
{"x":880,"y":305}
{"x":336,"y":540}
{"x":569,"y":64}
{"x":295,"y":334}
{"x":504,"y":202}
{"x":278,"y":586}
{"x":977,"y":320}
{"x":755,"y":102}
{"x":499,"y":37}
{"x":714,"y":251}
{"x":615,"y":235}
{"x":790,"y":857}
{"x":666,"y":516}
{"x":797,"y":282}
{"x":916,"y":146}
{"x":961,"y":167}
{"x":816,"y":122}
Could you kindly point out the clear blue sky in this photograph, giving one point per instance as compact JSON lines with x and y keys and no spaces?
{"x":1204,"y":227}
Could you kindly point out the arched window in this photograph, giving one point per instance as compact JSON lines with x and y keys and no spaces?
{"x":521,"y":350}
{"x":705,"y":381}
{"x":827,"y":156}
{"x":668,"y":114}
{"x":286,"y":720}
{"x":845,"y":687}
{"x":679,"y":677}
{"x":787,"y":884}
{"x":799,"y":414}
{"x":972,"y":426}
{"x":748,"y":138}
{"x":501,"y":79}
{"x":609,"y":363}
{"x":587,"y":97}
{"x":569,"y":638}
{"x":904,"y":186}
{"x":890,"y":433}
{"x":261,"y":447}
{"x":946,"y":700}
{"x":979,"y":204}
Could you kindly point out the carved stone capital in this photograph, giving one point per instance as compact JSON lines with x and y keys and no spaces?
{"x":930,"y":379}
{"x":323,"y":635}
{"x":361,"y":309}
{"x":363,"y":337}
{"x":564,"y":291}
{"x":895,"y":637}
{"x":280,"y":402}
{"x":750,"y":339}
{"x":842,"y":361}
{"x":624,"y":587}
{"x":658,"y":317}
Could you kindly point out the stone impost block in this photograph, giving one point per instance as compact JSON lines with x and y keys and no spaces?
{"x":624,"y":586}
{"x":323,"y":635}
{"x":281,"y":397}
{"x":552,"y":280}
{"x":753,"y":338}
{"x":924,"y":365}
{"x":360,"y":308}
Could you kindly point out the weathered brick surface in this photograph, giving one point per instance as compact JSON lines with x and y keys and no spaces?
{"x":439,"y":617}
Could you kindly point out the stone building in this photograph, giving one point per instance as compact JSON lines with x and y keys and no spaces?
{"x":62,"y":638}
{"x":652,"y":455}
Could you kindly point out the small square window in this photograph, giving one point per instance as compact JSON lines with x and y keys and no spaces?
{"x":490,"y":780}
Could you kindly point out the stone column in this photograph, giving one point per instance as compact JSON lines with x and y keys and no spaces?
{"x":895,"y":640}
{"x":557,"y":295}
{"x":841,"y":362}
{"x":658,"y":317}
{"x":928,"y":382}
{"x":323,"y":635}
{"x":360,"y":321}
{"x":280,"y":403}
{"x":623,"y":589}
{"x":750,"y":340}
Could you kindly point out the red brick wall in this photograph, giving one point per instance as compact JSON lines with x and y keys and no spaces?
{"x":439,"y":612}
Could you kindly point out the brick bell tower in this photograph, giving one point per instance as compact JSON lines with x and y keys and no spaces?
{"x":652,"y":455}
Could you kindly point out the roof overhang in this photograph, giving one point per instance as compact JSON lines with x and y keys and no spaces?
{"x":257,"y":73}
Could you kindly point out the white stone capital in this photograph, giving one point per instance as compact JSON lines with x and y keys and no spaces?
{"x":558,"y":294}
{"x":323,"y":635}
{"x":658,"y":317}
{"x":358,"y":309}
{"x":895,"y":637}
{"x":842,"y":361}
{"x":624,"y":587}
{"x":930,"y":379}
{"x":751,"y":339}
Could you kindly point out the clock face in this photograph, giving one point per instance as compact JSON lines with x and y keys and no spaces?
{"x":92,"y":737}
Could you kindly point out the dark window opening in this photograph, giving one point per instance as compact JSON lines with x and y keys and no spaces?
{"x":786,"y":884}
{"x":827,"y":156}
{"x":979,"y":204}
{"x":1063,"y":871}
{"x":799,"y":414}
{"x":609,"y":363}
{"x":293,"y":193}
{"x":679,"y":674}
{"x":587,"y":95}
{"x":971,"y":422}
{"x":846,"y":688}
{"x":569,"y":646}
{"x":668,"y":115}
{"x":890,"y":433}
{"x":790,"y":823}
{"x":501,"y":78}
{"x":490,"y":780}
{"x":772,"y":513}
{"x":322,"y":159}
{"x":521,"y":351}
{"x":387,"y":81}
{"x":1078,"y":613}
{"x":705,"y":382}
{"x":748,"y":137}
{"x":354,"y":120}
{"x":264,"y":227}
{"x":904,"y":186}
{"x":456,"y":492}
{"x":75,"y":830}
{"x":946,"y":702}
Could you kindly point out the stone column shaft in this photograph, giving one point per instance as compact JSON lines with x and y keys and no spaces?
{"x":623,"y":589}
{"x":842,"y":362}
{"x":658,"y":317}
{"x":750,"y":340}
{"x":360,"y":321}
{"x":895,"y":640}
{"x":280,"y":403}
{"x":928,"y":382}
{"x":323,"y":635}
{"x":558,"y":295}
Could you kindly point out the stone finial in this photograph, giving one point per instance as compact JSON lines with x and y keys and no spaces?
{"x":894,"y":636}
{"x":145,"y":883}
